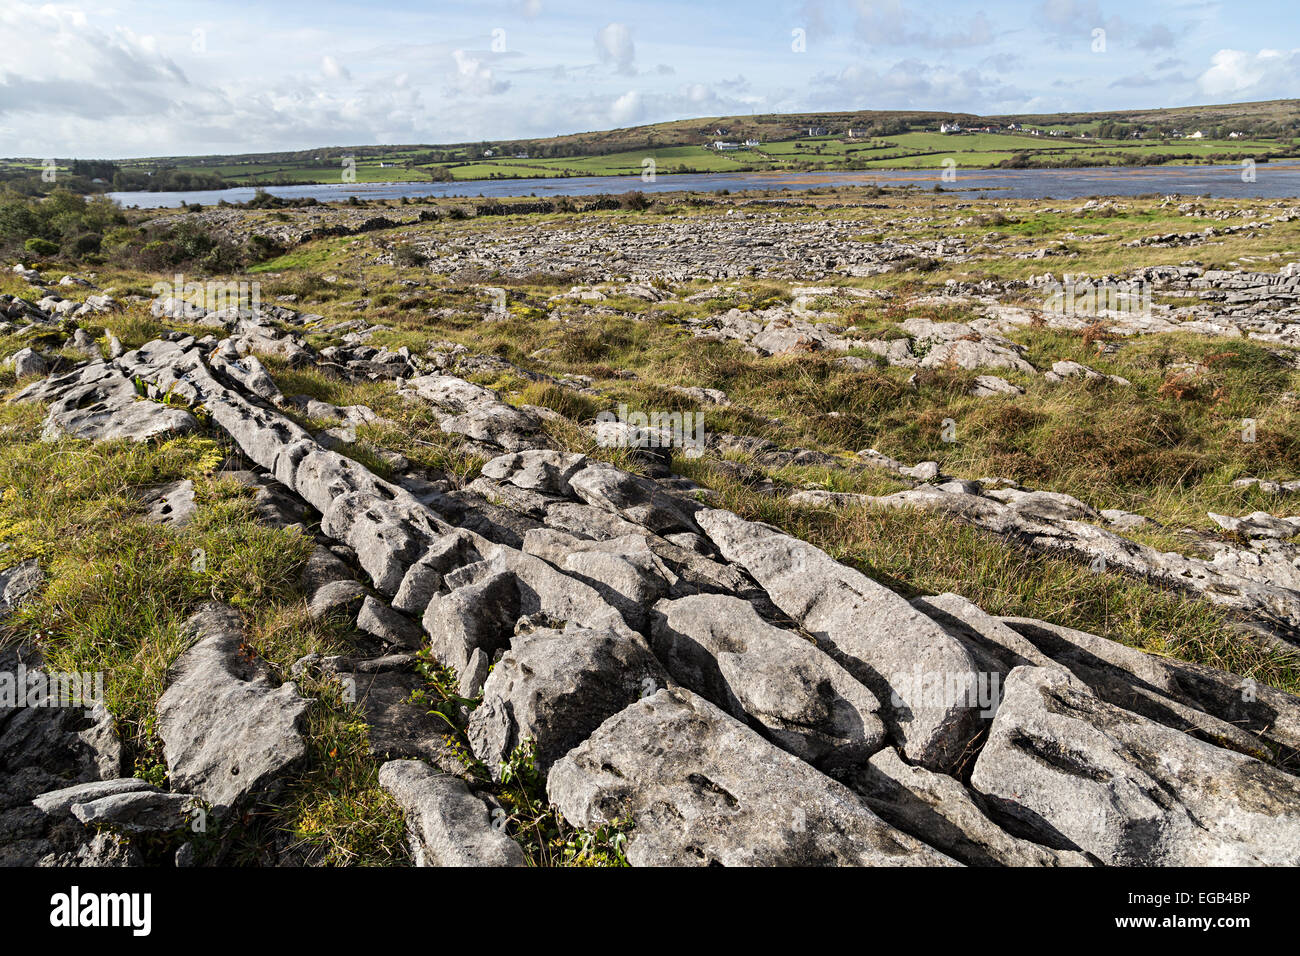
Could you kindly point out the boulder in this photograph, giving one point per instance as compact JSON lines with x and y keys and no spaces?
{"x":625,"y":571}
{"x":555,"y":687}
{"x":447,"y":825}
{"x":58,"y":803}
{"x":939,"y":810}
{"x":469,"y":624}
{"x":28,"y":363}
{"x":773,"y":679}
{"x":344,"y":597}
{"x":926,"y":677}
{"x":379,"y":620}
{"x":700,"y":788}
{"x":1087,"y":775}
{"x":98,"y":402}
{"x":228,"y":732}
{"x":137,"y":811}
{"x":634,"y":498}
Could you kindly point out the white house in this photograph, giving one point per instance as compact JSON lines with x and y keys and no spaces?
{"x":953,"y":127}
{"x":725,"y":147}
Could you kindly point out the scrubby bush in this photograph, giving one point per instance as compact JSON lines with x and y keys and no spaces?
{"x":41,"y":247}
{"x":408,"y":255}
{"x":61,"y":221}
{"x":634,"y":200}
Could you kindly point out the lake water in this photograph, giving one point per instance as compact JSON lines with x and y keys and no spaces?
{"x":1272,"y":181}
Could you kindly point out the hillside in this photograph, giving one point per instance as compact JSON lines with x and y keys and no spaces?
{"x":863,"y":139}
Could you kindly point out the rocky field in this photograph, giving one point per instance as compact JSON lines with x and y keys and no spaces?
{"x":841,"y":530}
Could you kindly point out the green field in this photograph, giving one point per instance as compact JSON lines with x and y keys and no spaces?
{"x":880,"y":140}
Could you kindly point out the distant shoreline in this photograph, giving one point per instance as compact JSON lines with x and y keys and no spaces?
{"x":1118,"y":167}
{"x":1270,"y":181}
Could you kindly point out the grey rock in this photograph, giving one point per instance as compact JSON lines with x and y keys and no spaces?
{"x":28,"y":362}
{"x":556,"y":687}
{"x":1084,"y":774}
{"x":171,"y":504}
{"x":780,"y":683}
{"x":544,"y":471}
{"x":140,"y":811}
{"x":881,"y":640}
{"x":344,"y":597}
{"x":989,"y":385}
{"x":446,"y":824}
{"x":323,"y":567}
{"x":19,"y":583}
{"x":228,"y":732}
{"x":480,"y":616}
{"x":1046,"y":505}
{"x":98,"y":402}
{"x":103,"y":849}
{"x":1125,"y":520}
{"x":939,"y":810}
{"x":624,"y":570}
{"x":379,"y":620}
{"x":423,"y":580}
{"x":478,"y":413}
{"x":701,"y":788}
{"x":1220,"y":707}
{"x":544,"y":589}
{"x":584,"y":521}
{"x":634,"y":498}
{"x":50,"y":748}
{"x":58,"y":803}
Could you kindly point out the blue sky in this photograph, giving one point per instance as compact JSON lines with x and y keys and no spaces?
{"x":133,"y":78}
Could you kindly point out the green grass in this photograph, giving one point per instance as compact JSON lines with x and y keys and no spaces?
{"x":119,"y":590}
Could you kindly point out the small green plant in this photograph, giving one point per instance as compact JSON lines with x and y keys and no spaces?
{"x":519,"y":787}
{"x":41,"y":247}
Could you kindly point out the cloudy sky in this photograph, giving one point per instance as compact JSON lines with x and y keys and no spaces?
{"x":128,"y":78}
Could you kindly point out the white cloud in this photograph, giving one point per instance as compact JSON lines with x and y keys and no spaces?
{"x":333,"y":69}
{"x":890,"y":23}
{"x":1262,"y":74}
{"x":614,"y":45}
{"x":50,"y":38}
{"x":627,"y":109}
{"x":914,"y":84}
{"x":474,"y":77}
